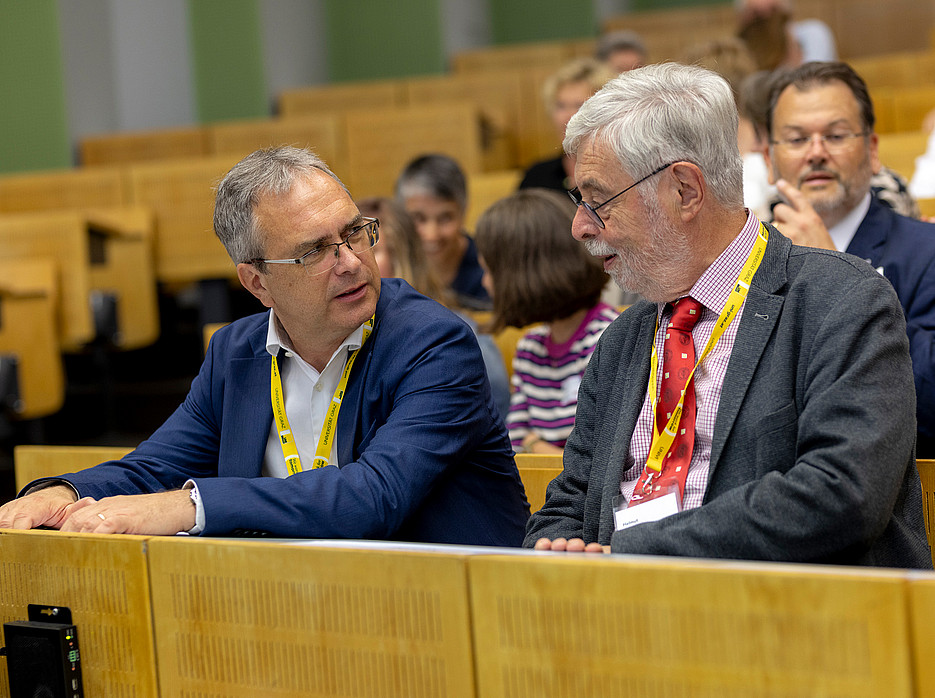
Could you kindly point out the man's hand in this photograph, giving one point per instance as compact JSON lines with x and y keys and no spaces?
{"x":45,"y":507}
{"x":160,"y":514}
{"x":575,"y":545}
{"x":798,"y":221}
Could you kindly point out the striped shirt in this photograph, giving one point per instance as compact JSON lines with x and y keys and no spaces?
{"x":711,"y":290}
{"x":546,"y":377}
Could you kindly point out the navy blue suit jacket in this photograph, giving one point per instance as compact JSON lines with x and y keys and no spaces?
{"x":905,"y":249}
{"x":423,"y":453}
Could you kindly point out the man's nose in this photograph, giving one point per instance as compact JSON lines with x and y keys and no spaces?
{"x":582,"y":227}
{"x":816,"y":148}
{"x":347,"y":261}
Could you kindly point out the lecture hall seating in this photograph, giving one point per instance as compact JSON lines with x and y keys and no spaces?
{"x":29,"y":333}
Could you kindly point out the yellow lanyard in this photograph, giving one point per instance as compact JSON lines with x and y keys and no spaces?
{"x":286,"y":438}
{"x":662,"y":441}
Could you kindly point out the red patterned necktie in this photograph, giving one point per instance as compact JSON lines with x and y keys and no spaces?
{"x":678,"y":360}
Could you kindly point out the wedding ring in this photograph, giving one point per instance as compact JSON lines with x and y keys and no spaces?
{"x":102,"y":517}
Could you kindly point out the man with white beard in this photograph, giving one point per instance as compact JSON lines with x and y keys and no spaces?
{"x":759,"y":403}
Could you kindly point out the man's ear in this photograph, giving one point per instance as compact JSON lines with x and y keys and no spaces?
{"x":255,"y":282}
{"x":691,"y":188}
{"x":875,"y":164}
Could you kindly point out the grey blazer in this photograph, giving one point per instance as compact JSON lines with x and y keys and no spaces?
{"x":813,"y":455}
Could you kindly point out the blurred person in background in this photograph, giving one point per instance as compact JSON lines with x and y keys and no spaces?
{"x":400,"y":255}
{"x":564,"y":92}
{"x":621,"y":50}
{"x":432,"y":189}
{"x":538,"y":273}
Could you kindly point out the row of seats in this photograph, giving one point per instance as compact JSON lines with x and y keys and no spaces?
{"x":183,"y":617}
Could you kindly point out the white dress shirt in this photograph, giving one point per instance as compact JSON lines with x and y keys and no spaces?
{"x":308,"y":395}
{"x":842,"y":233}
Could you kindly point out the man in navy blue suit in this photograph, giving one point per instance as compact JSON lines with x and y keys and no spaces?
{"x":822,"y":153}
{"x":352,"y":409}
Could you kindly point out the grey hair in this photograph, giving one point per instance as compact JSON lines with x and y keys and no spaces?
{"x":666,"y":113}
{"x":434,"y":175}
{"x":268,"y":171}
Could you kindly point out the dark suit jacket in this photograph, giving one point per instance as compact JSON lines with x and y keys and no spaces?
{"x":905,"y":249}
{"x":423,"y":452}
{"x":812,"y":458}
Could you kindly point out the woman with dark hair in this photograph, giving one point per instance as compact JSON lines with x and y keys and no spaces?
{"x":399,"y":253}
{"x":538,"y":273}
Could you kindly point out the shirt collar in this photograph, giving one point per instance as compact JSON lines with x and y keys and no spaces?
{"x":842,"y":233}
{"x":277,"y":339}
{"x":713,"y":287}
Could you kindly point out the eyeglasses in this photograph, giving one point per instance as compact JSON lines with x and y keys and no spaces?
{"x":834,"y":143}
{"x":320,"y":259}
{"x":575,"y":195}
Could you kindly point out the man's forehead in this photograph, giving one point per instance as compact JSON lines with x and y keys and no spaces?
{"x":597,"y":167}
{"x":828,"y":100}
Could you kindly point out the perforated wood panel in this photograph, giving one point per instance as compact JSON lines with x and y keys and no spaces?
{"x":103,"y":580}
{"x":181,"y":194}
{"x":922,"y":614}
{"x":559,"y":626}
{"x":268,"y":619}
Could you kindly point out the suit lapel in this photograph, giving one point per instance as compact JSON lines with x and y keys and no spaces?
{"x":760,"y":315}
{"x":630,"y":385}
{"x":870,"y":239}
{"x":251,"y":414}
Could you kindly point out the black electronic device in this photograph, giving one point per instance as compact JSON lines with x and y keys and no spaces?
{"x":42,"y":654}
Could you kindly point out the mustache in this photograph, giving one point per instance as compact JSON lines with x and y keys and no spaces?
{"x":599,"y":248}
{"x":818,"y":170}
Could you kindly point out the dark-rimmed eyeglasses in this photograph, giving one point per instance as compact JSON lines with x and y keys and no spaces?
{"x":321,"y":258}
{"x":575,"y":195}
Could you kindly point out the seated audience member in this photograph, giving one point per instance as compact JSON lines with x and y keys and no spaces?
{"x":730,"y":58}
{"x":822,"y":156}
{"x":813,"y":39}
{"x":538,"y":273}
{"x":564,"y":92}
{"x":922,"y":185}
{"x":770,"y":40}
{"x":433,"y":191}
{"x":760,"y":194}
{"x":621,"y":51}
{"x":759,"y":404}
{"x":753,"y":102}
{"x":400,"y":255}
{"x":415,"y":450}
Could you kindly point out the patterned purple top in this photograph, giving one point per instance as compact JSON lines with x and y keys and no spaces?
{"x":546,"y":377}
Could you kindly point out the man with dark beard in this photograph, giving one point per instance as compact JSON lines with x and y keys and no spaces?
{"x":822,"y":154}
{"x":759,"y":403}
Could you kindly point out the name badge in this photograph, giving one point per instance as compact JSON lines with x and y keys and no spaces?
{"x":662,"y":503}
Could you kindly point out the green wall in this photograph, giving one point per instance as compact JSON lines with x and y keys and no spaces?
{"x":228,"y":60}
{"x":513,"y":21}
{"x":33,"y":127}
{"x":639,"y":5}
{"x":375,"y":39}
